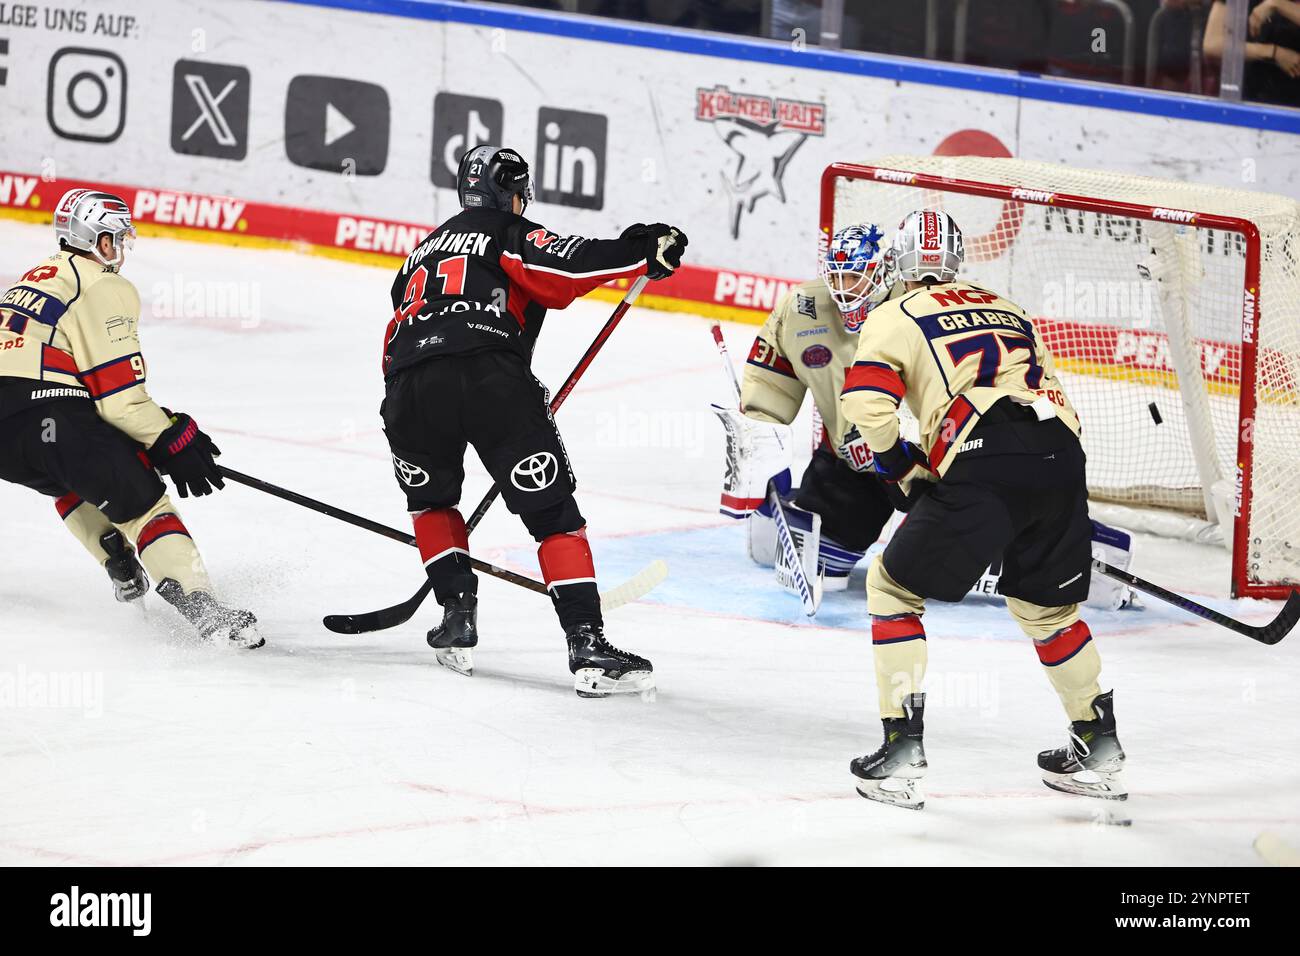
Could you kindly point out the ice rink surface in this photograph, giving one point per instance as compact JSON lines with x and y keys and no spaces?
{"x":122,"y":742}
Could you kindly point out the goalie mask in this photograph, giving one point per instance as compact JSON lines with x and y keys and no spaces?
{"x":857,"y":272}
{"x":83,"y":215}
{"x":928,"y":246}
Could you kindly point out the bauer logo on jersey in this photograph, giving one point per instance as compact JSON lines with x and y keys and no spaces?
{"x":816,"y":356}
{"x":763,"y":134}
{"x":413,"y":476}
{"x":536,"y":472}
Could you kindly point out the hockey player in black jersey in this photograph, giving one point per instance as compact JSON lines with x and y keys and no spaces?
{"x":468,"y":305}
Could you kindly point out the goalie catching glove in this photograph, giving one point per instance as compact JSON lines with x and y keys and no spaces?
{"x":757,"y":452}
{"x":186,"y":455}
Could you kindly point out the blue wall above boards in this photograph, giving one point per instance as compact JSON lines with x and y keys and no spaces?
{"x":1002,"y":82}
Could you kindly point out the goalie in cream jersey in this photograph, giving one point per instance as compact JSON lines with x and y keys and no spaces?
{"x":804,"y":347}
{"x":77,"y":424}
{"x":998,"y":476}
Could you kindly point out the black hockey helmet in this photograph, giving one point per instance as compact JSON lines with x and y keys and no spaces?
{"x":489,"y":176}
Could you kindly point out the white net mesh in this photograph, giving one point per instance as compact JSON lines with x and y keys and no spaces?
{"x":1144,"y":318}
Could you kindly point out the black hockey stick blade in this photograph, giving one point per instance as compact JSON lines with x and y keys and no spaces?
{"x":379,"y":620}
{"x":1270,"y":633}
{"x":387,"y":617}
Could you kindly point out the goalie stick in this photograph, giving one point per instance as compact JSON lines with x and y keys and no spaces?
{"x":388,"y":617}
{"x":791,"y":570}
{"x":634,"y":588}
{"x":1270,"y":633}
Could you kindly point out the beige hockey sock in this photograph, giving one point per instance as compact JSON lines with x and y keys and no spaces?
{"x":897,"y":639}
{"x":1067,"y":651}
{"x":86,"y":522}
{"x":166,"y":549}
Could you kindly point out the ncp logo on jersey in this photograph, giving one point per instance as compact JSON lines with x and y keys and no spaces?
{"x":536,"y":472}
{"x":571,"y":158}
{"x":413,"y":476}
{"x":210,"y":109}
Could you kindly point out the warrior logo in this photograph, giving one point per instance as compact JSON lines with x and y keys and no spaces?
{"x":763,"y":132}
{"x":536,"y":472}
{"x":413,"y":476}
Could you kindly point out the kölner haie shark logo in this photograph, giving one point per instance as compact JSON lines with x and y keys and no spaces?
{"x":764,"y":132}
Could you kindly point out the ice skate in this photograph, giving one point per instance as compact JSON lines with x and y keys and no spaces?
{"x":216,"y":622}
{"x":1090,"y":764}
{"x":600,"y":669}
{"x":453,"y":641}
{"x":893,"y":773}
{"x":130,"y":583}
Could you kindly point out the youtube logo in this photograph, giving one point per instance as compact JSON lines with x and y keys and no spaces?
{"x":337,"y":125}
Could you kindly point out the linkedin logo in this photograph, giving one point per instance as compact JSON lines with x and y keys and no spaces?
{"x":570,"y":158}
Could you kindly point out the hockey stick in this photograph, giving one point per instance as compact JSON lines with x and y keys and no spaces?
{"x":375,"y":526}
{"x":634,"y":588}
{"x":601,"y":337}
{"x":401,"y":613}
{"x":721,"y":343}
{"x":1270,"y":633}
{"x":809,"y":592}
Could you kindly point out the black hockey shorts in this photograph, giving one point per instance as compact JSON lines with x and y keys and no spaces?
{"x":1030,"y":510}
{"x":853,"y":506}
{"x":487,"y":399}
{"x":64,"y":446}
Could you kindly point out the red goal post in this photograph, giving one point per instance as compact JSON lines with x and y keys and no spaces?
{"x":1002,"y":243}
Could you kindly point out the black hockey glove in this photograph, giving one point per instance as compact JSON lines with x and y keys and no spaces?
{"x":897,"y":464}
{"x":664,"y":247}
{"x":186,"y":455}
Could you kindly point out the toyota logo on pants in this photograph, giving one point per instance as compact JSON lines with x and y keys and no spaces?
{"x":412,"y":476}
{"x":536,"y":472}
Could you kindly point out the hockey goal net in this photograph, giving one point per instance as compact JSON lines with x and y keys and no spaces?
{"x":1173,"y":312}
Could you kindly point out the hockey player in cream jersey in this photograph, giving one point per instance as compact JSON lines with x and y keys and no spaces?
{"x":77,"y":424}
{"x":804,"y":347}
{"x":998,"y":475}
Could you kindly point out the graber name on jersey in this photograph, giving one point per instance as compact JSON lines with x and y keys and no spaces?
{"x":956,"y":321}
{"x":470,"y":243}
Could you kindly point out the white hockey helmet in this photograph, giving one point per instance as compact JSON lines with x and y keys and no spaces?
{"x":83,"y":215}
{"x":858,"y":271}
{"x":928,"y":245}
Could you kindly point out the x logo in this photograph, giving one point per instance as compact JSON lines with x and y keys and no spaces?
{"x":209,"y":109}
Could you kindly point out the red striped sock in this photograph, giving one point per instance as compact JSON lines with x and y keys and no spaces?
{"x":566,"y":559}
{"x":440,"y":532}
{"x":1064,"y":644}
{"x":896,"y":629}
{"x":164,"y":524}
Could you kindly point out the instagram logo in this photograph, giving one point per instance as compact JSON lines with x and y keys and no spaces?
{"x":87,"y":94}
